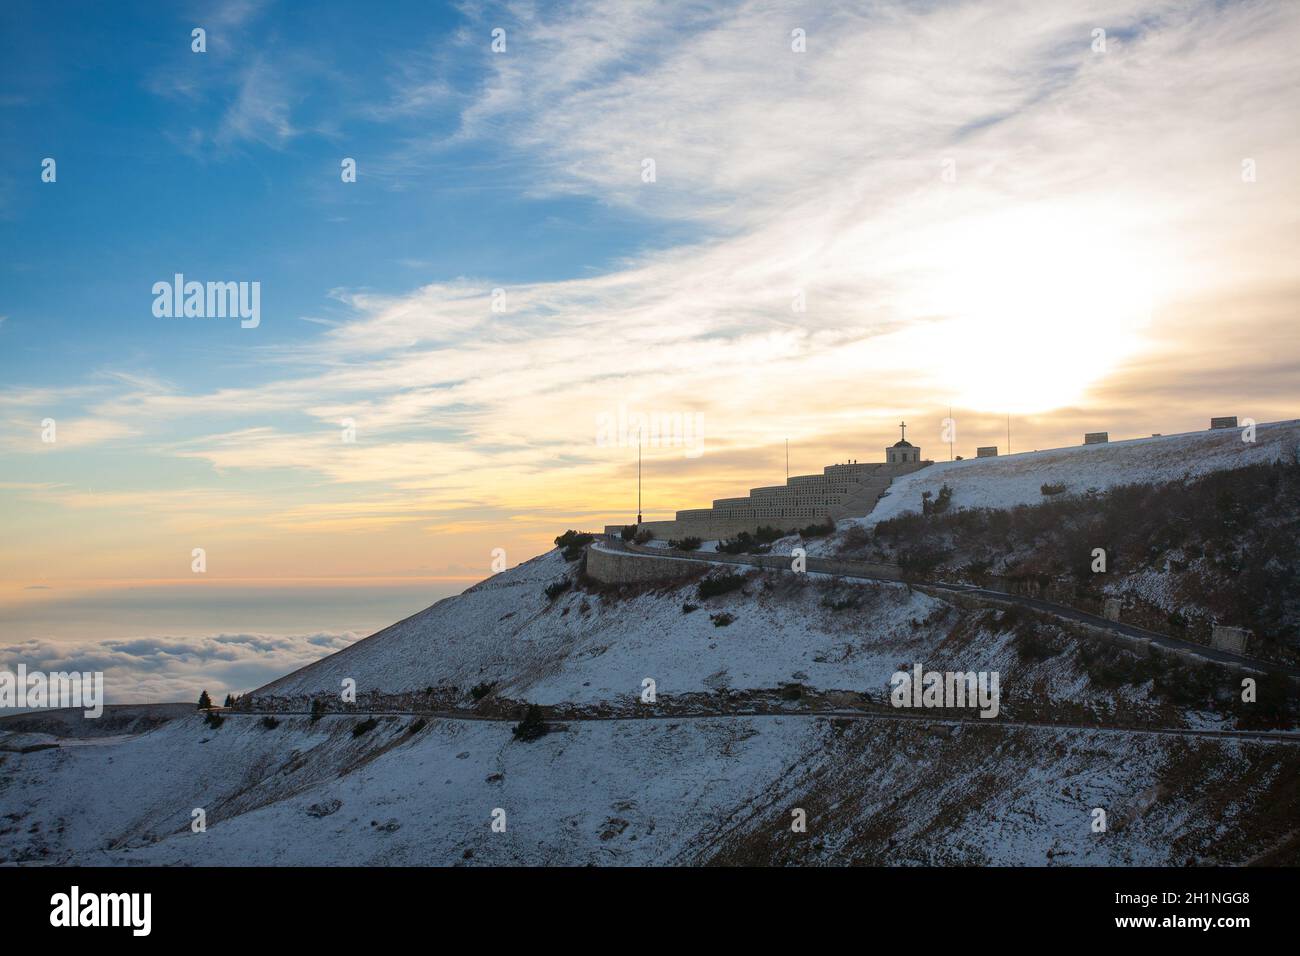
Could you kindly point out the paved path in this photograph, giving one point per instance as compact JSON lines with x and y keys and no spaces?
{"x":1267,"y":736}
{"x":1037,"y":604}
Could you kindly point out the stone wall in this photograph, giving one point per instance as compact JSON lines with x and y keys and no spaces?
{"x":704,"y":529}
{"x":1234,"y":639}
{"x":640,"y":564}
{"x":616,"y":567}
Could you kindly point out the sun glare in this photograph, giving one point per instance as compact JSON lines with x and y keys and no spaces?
{"x":1033,"y":309}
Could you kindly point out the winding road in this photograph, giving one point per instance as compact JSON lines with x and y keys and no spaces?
{"x":1036,"y":604}
{"x":1267,"y":736}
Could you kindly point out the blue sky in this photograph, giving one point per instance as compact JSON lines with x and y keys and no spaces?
{"x":226,"y":165}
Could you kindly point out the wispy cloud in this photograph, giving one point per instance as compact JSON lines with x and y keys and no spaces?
{"x":970,"y":202}
{"x":261,"y":108}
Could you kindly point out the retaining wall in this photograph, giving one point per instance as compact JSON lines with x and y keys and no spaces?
{"x":711,"y":529}
{"x":617,"y":567}
{"x":650,"y":564}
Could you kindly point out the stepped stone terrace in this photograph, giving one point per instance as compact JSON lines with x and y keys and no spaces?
{"x":840,"y":491}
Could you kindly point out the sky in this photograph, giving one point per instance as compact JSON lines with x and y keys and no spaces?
{"x":767,"y":221}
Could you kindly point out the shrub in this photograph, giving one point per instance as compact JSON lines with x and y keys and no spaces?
{"x":840,"y":604}
{"x":629,"y":532}
{"x":269,"y":722}
{"x":685,"y":544}
{"x":1270,"y":708}
{"x":939,"y":505}
{"x":416,"y":727}
{"x":766,"y":534}
{"x":743,"y":543}
{"x":721,"y":619}
{"x":740,"y":544}
{"x":1033,"y":645}
{"x":642,"y":536}
{"x":1052,"y":489}
{"x":688,"y":607}
{"x":317,"y":709}
{"x":479,"y":691}
{"x":920,"y":560}
{"x":1109,"y":668}
{"x":855,"y":539}
{"x":817,"y":530}
{"x":723,"y":584}
{"x":557,"y":588}
{"x":532,"y":726}
{"x":1012,"y":616}
{"x":792,"y":691}
{"x":367,"y":725}
{"x":572,"y":543}
{"x":1189,"y":686}
{"x":214,"y":720}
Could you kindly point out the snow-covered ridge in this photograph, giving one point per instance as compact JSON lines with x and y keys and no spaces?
{"x":1011,"y":480}
{"x":588,"y":648}
{"x":638,"y":792}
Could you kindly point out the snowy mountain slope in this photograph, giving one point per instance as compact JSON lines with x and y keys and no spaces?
{"x":642,"y":792}
{"x":116,"y":719}
{"x":588,"y":647}
{"x":1011,"y":480}
{"x":902,"y":795}
{"x":702,"y":788}
{"x":662,"y":790}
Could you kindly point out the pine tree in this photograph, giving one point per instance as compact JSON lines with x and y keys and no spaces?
{"x":205,"y":701}
{"x":230,"y":700}
{"x":532,"y":726}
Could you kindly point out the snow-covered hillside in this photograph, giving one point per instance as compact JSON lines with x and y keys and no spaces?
{"x":597,"y":646}
{"x":693,"y":784}
{"x":672,"y":789}
{"x":591,"y":647}
{"x":643,"y":792}
{"x":1011,"y":480}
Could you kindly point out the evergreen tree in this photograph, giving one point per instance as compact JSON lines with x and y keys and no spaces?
{"x":204,"y":701}
{"x":230,"y":700}
{"x":532,"y":726}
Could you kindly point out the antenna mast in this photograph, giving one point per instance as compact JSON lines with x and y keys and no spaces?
{"x":638,"y":476}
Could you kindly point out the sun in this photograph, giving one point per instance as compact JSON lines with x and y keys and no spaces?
{"x":1031,"y":307}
